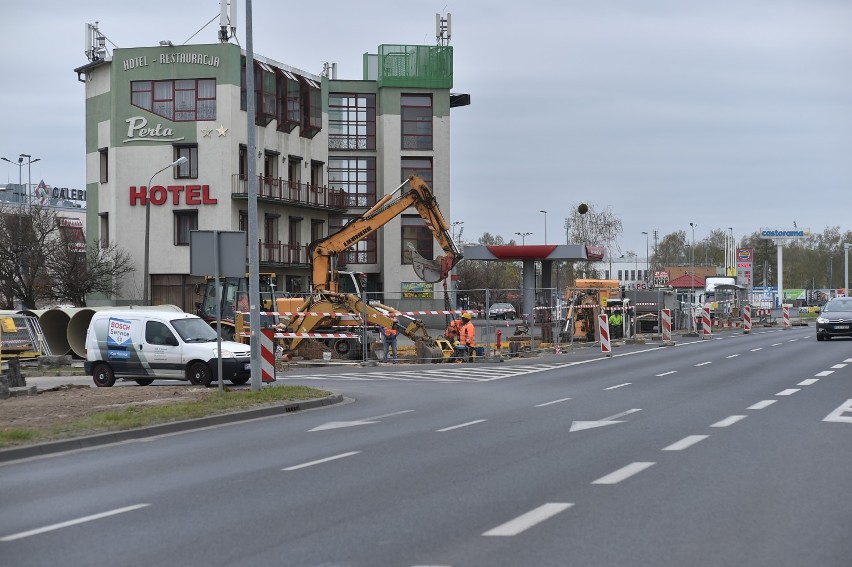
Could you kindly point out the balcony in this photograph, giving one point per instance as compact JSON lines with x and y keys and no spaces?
{"x":280,"y":254}
{"x":291,"y":193}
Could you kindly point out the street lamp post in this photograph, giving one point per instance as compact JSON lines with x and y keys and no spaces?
{"x":692,"y":280}
{"x":545,"y":226}
{"x":647,"y":260}
{"x":523,"y":236}
{"x":29,"y":163}
{"x":20,"y":164}
{"x":454,"y":225}
{"x":145,"y":276}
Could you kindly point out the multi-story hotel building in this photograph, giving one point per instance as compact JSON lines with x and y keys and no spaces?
{"x":327,"y":150}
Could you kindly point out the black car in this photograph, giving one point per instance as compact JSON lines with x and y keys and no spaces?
{"x":835,"y":319}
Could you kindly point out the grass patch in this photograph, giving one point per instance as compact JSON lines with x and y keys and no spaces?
{"x":144,"y":416}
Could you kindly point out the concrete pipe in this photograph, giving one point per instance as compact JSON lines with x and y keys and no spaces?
{"x":54,"y":327}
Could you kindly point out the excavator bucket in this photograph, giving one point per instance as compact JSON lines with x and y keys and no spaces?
{"x":426,"y":352}
{"x":427,"y":270}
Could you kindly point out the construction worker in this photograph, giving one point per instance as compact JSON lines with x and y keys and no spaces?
{"x":389,"y":336}
{"x":467,"y":335}
{"x":453,"y":332}
{"x":616,"y":322}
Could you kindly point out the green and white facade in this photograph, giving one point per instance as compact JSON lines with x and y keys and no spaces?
{"x":327,"y":149}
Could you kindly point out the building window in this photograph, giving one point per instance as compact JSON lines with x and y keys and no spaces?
{"x":416,"y":121}
{"x":356,"y":177}
{"x":288,"y":101}
{"x":416,"y":236}
{"x":311,"y":107}
{"x":179,"y":100}
{"x":316,"y":229}
{"x":362,"y":252}
{"x":104,"y":226}
{"x":264,"y":89}
{"x":104,"y":163}
{"x":351,"y":121}
{"x":421,"y":167}
{"x":188,"y":170}
{"x":185,"y":221}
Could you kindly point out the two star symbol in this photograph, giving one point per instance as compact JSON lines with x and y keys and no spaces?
{"x":221,"y":130}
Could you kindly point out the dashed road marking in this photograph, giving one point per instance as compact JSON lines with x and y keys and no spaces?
{"x":728,"y":421}
{"x":667,"y":373}
{"x":553,"y":402}
{"x":623,"y":473}
{"x":808,"y":382}
{"x":732,"y":356}
{"x":685,"y":443}
{"x":824,"y":373}
{"x":703,"y":363}
{"x":320,"y":461}
{"x":763,"y":404}
{"x":787,"y":392}
{"x":618,"y":386}
{"x":69,"y":523}
{"x":839,"y":366}
{"x":528,"y":520}
{"x":459,"y":426}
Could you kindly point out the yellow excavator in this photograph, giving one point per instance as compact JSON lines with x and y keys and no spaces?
{"x":327,"y":311}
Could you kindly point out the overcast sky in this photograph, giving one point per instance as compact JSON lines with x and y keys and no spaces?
{"x":731,"y":113}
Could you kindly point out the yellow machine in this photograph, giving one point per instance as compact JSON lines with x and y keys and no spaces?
{"x":585,"y":301}
{"x":232,"y":297}
{"x":328,"y":311}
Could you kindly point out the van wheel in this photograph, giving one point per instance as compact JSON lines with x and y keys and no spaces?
{"x":103,"y":375}
{"x":144,"y":381}
{"x":200,"y":374}
{"x":240,"y":380}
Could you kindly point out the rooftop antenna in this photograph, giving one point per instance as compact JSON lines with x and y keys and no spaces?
{"x":227,"y":24}
{"x":95,"y":43}
{"x":443,"y":29}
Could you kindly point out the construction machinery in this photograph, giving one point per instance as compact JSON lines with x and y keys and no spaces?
{"x":586,"y":300}
{"x":232,"y":297}
{"x":340,"y":320}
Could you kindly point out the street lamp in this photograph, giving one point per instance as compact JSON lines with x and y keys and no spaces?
{"x":179,"y":161}
{"x":20,"y":164}
{"x":545,"y":226}
{"x":29,"y":163}
{"x":523,"y":236}
{"x":647,"y":260}
{"x":692,"y":279}
{"x":454,"y":225}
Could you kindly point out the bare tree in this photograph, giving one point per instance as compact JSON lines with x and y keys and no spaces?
{"x":588,"y":225}
{"x":92,"y":270}
{"x":24,"y":237}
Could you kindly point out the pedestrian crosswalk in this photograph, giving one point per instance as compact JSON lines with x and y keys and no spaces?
{"x":447,"y":373}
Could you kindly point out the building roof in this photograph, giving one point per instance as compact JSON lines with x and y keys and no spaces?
{"x":687,"y":281}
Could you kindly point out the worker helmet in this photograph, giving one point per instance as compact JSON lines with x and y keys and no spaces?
{"x":467,"y":316}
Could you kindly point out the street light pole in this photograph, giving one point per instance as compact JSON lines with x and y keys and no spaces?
{"x":523,"y":236}
{"x":545,"y":226}
{"x":29,"y":163}
{"x":20,"y":164}
{"x":145,"y":276}
{"x":647,"y":260}
{"x":454,"y":225}
{"x":692,"y":280}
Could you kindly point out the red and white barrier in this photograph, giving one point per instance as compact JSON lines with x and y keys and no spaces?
{"x":786,"y":316}
{"x":746,"y":319}
{"x":667,"y":325}
{"x":603,"y":332}
{"x":267,"y":355}
{"x":706,"y":322}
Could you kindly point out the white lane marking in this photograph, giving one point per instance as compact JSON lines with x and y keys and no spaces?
{"x":685,"y":443}
{"x":365,"y":421}
{"x":581,"y":425}
{"x":703,"y":363}
{"x":459,"y":425}
{"x":559,"y":401}
{"x":667,"y":373}
{"x":756,"y":349}
{"x":732,"y":356}
{"x":763,"y":404}
{"x":623,"y":473}
{"x":839,"y":366}
{"x":808,"y":382}
{"x":837,"y":415}
{"x":824,"y":373}
{"x":787,"y":392}
{"x":619,"y":386}
{"x":848,"y":360}
{"x":530,"y":519}
{"x":320,"y":461}
{"x":730,"y":420}
{"x":776,"y":344}
{"x":69,"y":523}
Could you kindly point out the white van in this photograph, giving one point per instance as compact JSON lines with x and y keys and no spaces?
{"x":160,"y":345}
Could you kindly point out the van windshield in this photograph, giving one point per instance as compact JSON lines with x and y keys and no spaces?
{"x":193,"y":330}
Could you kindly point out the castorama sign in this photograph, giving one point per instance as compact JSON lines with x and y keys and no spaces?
{"x":785,"y":232}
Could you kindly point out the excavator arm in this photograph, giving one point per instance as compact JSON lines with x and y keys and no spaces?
{"x":324,"y":252}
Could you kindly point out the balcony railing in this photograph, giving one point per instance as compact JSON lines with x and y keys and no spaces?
{"x":291,"y":192}
{"x":281,"y":253}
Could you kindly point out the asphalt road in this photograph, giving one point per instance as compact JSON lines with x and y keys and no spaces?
{"x":731,"y":451}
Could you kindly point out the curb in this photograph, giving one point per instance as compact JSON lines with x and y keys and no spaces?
{"x":41,"y":449}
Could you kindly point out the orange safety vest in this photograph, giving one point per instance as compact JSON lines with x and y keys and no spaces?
{"x":468,"y":334}
{"x":454,"y":330}
{"x":390,"y":333}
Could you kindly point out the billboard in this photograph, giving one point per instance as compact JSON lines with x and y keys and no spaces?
{"x":791,"y":233}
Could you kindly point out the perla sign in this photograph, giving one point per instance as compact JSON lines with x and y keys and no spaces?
{"x":785,"y":232}
{"x":138,"y":130}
